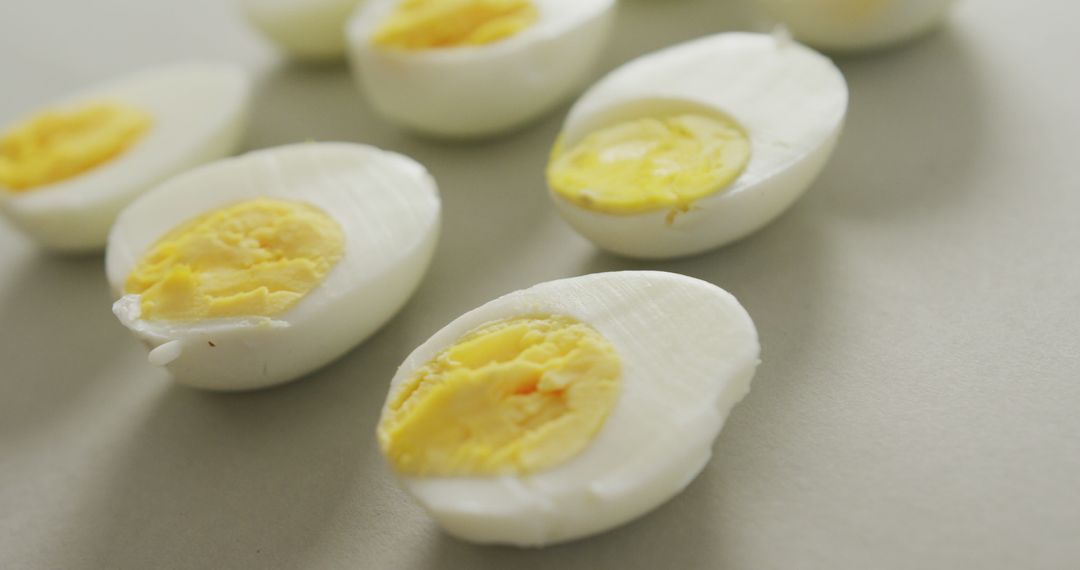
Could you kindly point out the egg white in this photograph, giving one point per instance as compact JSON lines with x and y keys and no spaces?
{"x":896,"y":22}
{"x":199,"y":111}
{"x":790,"y":100}
{"x":305,"y":29}
{"x":688,"y":351}
{"x":473,"y":91}
{"x":386,"y":204}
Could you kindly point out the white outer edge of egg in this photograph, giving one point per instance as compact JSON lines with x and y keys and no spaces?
{"x":688,"y":351}
{"x":306,"y":29}
{"x":199,"y":112}
{"x":899,"y":21}
{"x":389,"y":209}
{"x":759,"y":80}
{"x":475,"y":91}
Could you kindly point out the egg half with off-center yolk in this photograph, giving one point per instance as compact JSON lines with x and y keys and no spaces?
{"x":68,"y":170}
{"x":470,"y":68}
{"x":850,"y":25}
{"x":255,"y":270}
{"x":305,"y":29}
{"x":568,"y":408}
{"x":696,"y":145}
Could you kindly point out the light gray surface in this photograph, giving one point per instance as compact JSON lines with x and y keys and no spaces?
{"x":918,"y":405}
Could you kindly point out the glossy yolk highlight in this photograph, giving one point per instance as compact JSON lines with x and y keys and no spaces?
{"x":650,"y":164}
{"x":62,"y":143}
{"x":429,"y":24}
{"x":512,"y":397}
{"x":255,"y":258}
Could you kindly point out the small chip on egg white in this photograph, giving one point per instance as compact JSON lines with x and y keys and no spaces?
{"x":311,"y":30}
{"x":68,"y":170}
{"x":568,"y":408}
{"x":256,"y":270}
{"x":472,"y":68}
{"x":852,"y":25}
{"x":696,"y":145}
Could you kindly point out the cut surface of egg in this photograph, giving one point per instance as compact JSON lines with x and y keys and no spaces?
{"x":568,"y":408}
{"x":255,"y":270}
{"x":848,"y":25}
{"x":66,"y":171}
{"x":696,"y":145}
{"x":470,"y":68}
{"x":305,"y":29}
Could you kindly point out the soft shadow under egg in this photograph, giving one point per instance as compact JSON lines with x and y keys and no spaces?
{"x":877,"y":172}
{"x":49,"y":370}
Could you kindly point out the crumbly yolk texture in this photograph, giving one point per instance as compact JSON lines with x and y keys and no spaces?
{"x":650,"y":164}
{"x":58,"y":144}
{"x":430,"y":24}
{"x":515,"y":396}
{"x":254,"y":258}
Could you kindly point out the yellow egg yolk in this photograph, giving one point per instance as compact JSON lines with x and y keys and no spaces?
{"x":254,"y":258}
{"x":429,"y":24}
{"x":650,"y":164}
{"x":512,"y":397}
{"x":59,"y":144}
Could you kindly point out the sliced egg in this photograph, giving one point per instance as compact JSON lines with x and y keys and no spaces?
{"x":68,"y":170}
{"x":848,"y":25}
{"x":696,"y":145}
{"x":305,"y":29}
{"x":469,"y":68}
{"x":255,"y":270}
{"x":568,"y":408}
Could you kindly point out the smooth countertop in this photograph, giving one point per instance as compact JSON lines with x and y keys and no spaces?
{"x":918,"y":405}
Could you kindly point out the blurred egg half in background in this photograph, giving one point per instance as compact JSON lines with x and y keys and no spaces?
{"x":67,"y":170}
{"x":474,"y":68}
{"x":306,"y":30}
{"x":853,"y":25}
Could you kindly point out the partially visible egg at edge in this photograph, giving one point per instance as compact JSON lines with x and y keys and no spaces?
{"x":198,"y":113}
{"x":449,"y":92}
{"x":845,"y":26}
{"x":306,"y":30}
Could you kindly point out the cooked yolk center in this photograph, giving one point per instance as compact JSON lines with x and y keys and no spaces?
{"x":255,"y":258}
{"x":650,"y":164}
{"x":58,"y":144}
{"x":512,"y":397}
{"x":428,"y":24}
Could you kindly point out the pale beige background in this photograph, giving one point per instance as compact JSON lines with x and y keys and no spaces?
{"x":918,"y":405}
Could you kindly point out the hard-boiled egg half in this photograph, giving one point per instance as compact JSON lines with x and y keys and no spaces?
{"x":847,"y":25}
{"x":568,"y":408}
{"x":305,"y":29}
{"x":696,"y":145}
{"x":67,"y":171}
{"x":255,"y":270}
{"x":468,"y":68}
